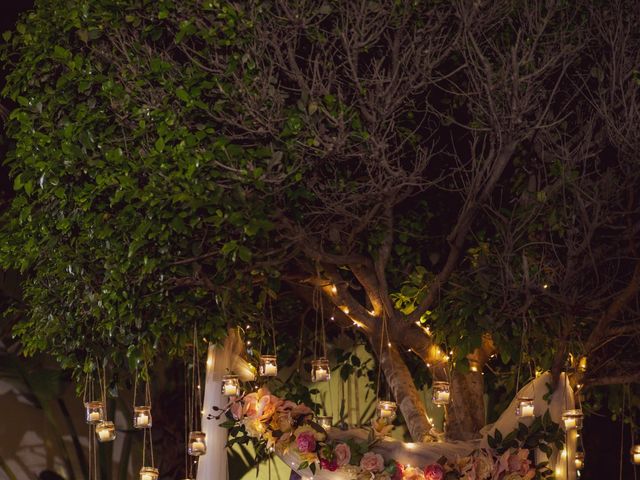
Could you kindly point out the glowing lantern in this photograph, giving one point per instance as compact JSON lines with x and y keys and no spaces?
{"x":142,"y":417}
{"x":106,"y":431}
{"x":149,"y":473}
{"x":572,"y":419}
{"x":197,"y":445}
{"x":268,"y":366}
{"x":95,"y":412}
{"x":441,"y":394}
{"x":320,"y":371}
{"x":386,"y":410}
{"x":230,"y":386}
{"x":525,"y":407}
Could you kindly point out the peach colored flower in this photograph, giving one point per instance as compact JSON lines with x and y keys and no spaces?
{"x":372,"y":462}
{"x":381,"y":428}
{"x":342,"y":454}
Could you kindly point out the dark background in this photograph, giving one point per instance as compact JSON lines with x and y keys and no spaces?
{"x":601,"y":436}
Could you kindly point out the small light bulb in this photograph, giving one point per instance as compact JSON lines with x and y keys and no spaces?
{"x":545,"y":286}
{"x":388,"y":344}
{"x":334,"y":289}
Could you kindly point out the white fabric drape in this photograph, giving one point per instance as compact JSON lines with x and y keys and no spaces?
{"x":221,"y":360}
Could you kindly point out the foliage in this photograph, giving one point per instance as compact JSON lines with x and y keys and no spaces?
{"x":182,"y":163}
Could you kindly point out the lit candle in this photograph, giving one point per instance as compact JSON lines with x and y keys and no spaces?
{"x":527,"y":410}
{"x":94,"y":416}
{"x":385,"y":413}
{"x":143,"y":420}
{"x":442,"y":396}
{"x":569,"y":423}
{"x":146,"y":476}
{"x":636,"y":458}
{"x":198,"y":447}
{"x":230,"y":389}
{"x":321,"y":374}
{"x":104,"y":435}
{"x":270,"y":370}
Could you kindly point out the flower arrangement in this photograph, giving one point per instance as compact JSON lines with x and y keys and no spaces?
{"x":287,"y":427}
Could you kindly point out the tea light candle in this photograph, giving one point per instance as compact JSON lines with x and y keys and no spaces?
{"x":197,"y":445}
{"x":320,"y":370}
{"x":270,"y":370}
{"x":230,"y":390}
{"x":527,"y":411}
{"x":441,"y":394}
{"x":230,"y":385}
{"x":104,"y":435}
{"x":635,"y":454}
{"x":94,"y":416}
{"x":143,"y":420}
{"x":149,"y":473}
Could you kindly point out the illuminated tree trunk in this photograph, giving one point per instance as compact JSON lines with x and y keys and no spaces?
{"x":400,"y":381}
{"x":466,"y":413}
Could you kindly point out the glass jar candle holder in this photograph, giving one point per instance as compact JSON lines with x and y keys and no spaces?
{"x":525,"y":407}
{"x":106,"y":431}
{"x":268,"y":366}
{"x":95,"y":412}
{"x":582,"y":365}
{"x":320,"y":371}
{"x":579,"y":459}
{"x":386,"y":410}
{"x":230,"y":386}
{"x":325,"y":421}
{"x":440,"y":393}
{"x":142,"y":417}
{"x":635,"y":454}
{"x":149,"y":473}
{"x":197,"y":445}
{"x":572,"y":419}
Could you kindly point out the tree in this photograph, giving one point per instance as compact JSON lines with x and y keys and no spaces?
{"x":469,"y":167}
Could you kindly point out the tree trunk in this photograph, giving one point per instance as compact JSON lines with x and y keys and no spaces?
{"x":465,"y":413}
{"x":404,"y":391}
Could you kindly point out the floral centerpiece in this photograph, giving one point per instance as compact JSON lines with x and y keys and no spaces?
{"x":285,"y":427}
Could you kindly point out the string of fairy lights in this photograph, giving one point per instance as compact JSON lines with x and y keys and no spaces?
{"x":103,"y":430}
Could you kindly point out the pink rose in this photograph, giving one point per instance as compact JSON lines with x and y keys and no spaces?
{"x":434,"y":472}
{"x":515,"y":462}
{"x":372,"y":462}
{"x":342,"y":454}
{"x":306,"y":443}
{"x":237,"y":410}
{"x":325,"y":464}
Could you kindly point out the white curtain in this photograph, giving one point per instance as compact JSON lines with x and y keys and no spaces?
{"x":221,"y":360}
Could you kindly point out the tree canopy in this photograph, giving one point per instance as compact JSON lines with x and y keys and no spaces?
{"x":470,"y":167}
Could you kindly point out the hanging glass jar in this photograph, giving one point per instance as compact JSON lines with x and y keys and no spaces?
{"x":197,"y":445}
{"x":320,"y":370}
{"x":386,"y":410}
{"x":635,"y":454}
{"x":572,"y":419}
{"x":325,"y":421}
{"x":149,"y":473}
{"x":230,"y":386}
{"x":579,"y":460}
{"x":268,"y":366}
{"x":582,"y":365}
{"x":441,"y":394}
{"x":525,"y":407}
{"x":95,"y":412}
{"x":106,"y":431}
{"x":142,"y":417}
